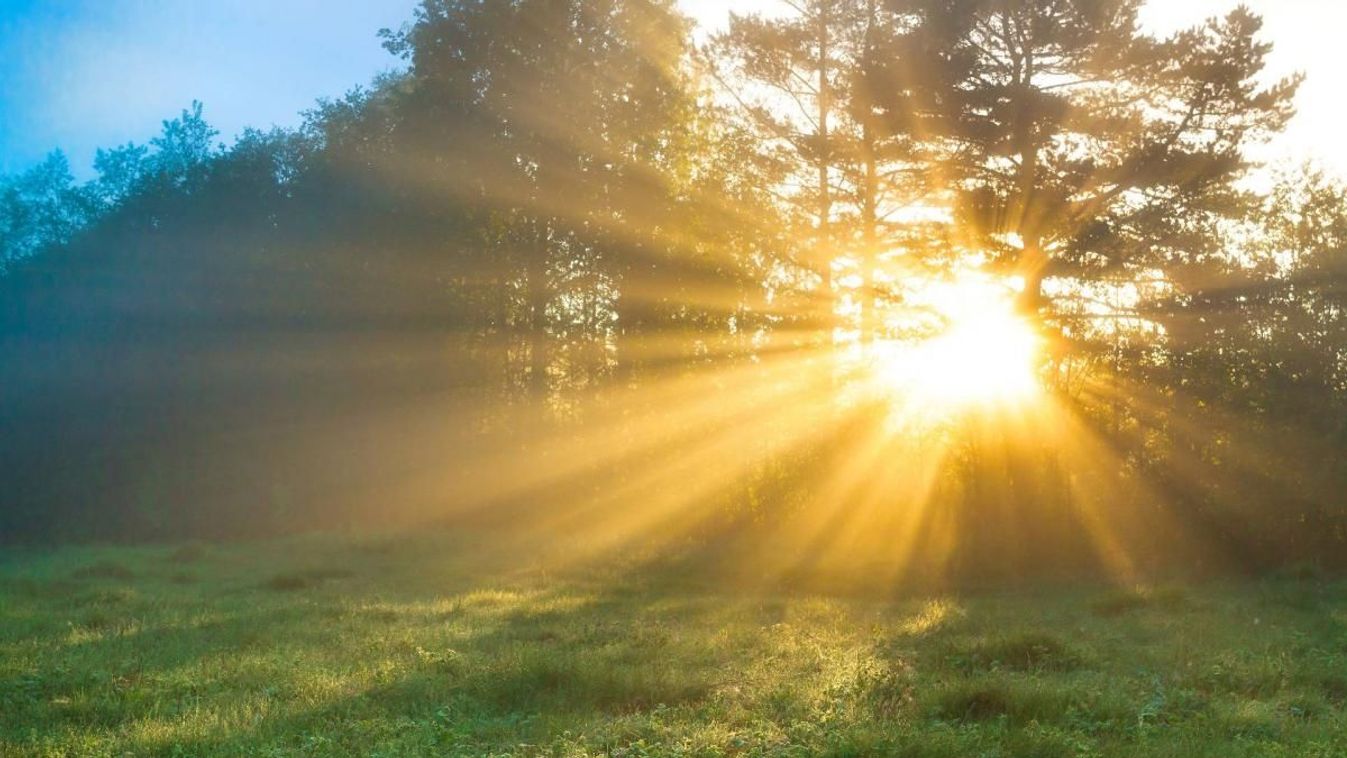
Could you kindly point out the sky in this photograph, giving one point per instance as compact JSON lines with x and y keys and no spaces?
{"x":83,"y":74}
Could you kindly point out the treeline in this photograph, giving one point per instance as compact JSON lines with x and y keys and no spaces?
{"x":574,"y":271}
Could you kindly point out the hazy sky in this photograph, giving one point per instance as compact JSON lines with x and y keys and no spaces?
{"x":81,"y":74}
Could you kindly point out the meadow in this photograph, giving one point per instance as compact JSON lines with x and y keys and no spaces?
{"x":446,"y":644}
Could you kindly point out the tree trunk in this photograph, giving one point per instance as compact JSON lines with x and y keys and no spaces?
{"x":1032,"y":269}
{"x":1033,"y":261}
{"x":536,"y":272}
{"x":871,"y":324}
{"x":825,"y":255}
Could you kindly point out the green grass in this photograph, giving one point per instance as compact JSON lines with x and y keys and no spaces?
{"x":437,"y":645}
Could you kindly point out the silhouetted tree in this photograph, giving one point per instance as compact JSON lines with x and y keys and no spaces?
{"x":40,"y":208}
{"x":1082,"y":148}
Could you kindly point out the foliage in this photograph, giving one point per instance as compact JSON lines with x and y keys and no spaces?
{"x":570,"y":272}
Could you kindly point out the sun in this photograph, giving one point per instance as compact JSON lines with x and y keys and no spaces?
{"x":985,"y":353}
{"x":979,"y":361}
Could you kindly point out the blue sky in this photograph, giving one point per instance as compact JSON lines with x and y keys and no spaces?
{"x":83,"y":74}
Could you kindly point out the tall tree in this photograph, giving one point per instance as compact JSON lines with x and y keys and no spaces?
{"x":184,"y":148}
{"x":891,"y":69}
{"x":573,"y":115}
{"x":788,"y":75}
{"x":40,"y":208}
{"x":120,"y":172}
{"x":1081,"y":147}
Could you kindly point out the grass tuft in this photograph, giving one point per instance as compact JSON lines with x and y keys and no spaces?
{"x":97,"y":621}
{"x":1018,"y":702}
{"x":888,"y":686}
{"x":968,"y":701}
{"x":1018,"y":651}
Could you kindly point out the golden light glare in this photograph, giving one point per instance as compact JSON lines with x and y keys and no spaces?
{"x":985,"y":355}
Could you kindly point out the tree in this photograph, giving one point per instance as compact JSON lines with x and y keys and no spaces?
{"x":558,"y":123}
{"x":183,"y":149}
{"x":788,"y":76}
{"x":1081,"y":148}
{"x":40,"y":209}
{"x":120,"y":172}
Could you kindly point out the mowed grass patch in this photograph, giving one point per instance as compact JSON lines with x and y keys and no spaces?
{"x":445,"y":644}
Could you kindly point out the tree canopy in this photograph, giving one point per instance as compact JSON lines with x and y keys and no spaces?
{"x":572,"y":269}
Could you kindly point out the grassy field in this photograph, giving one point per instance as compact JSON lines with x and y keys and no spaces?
{"x":440,"y":646}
